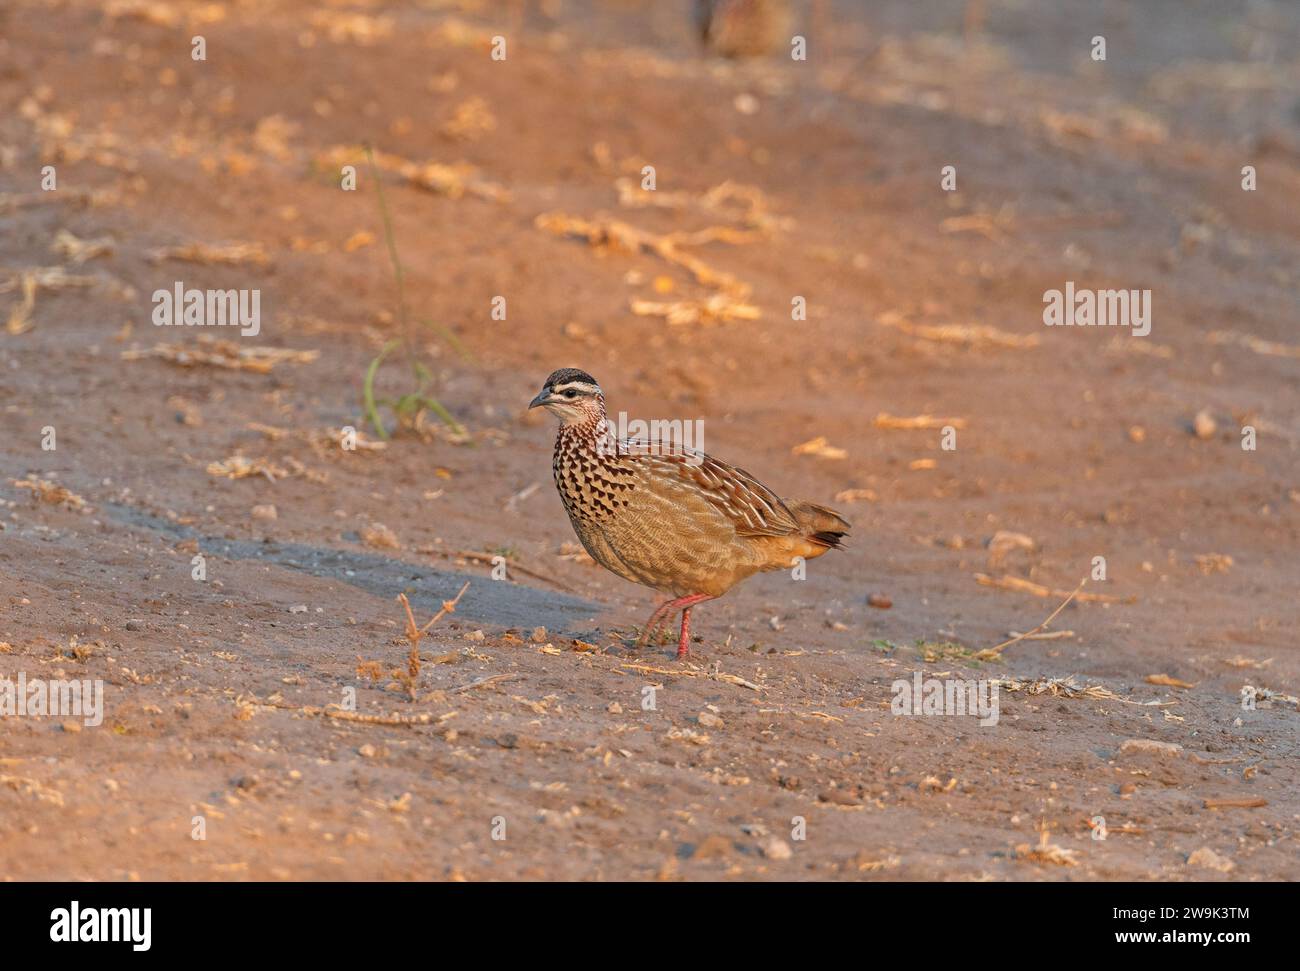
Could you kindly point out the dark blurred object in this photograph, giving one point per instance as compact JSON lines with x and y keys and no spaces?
{"x":743,"y":28}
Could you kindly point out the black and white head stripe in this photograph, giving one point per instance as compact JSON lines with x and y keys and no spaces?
{"x":571,"y":379}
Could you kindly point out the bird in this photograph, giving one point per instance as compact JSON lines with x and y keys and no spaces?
{"x":743,"y":28}
{"x":669,"y":517}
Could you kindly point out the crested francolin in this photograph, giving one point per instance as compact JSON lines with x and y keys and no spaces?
{"x":669,"y":517}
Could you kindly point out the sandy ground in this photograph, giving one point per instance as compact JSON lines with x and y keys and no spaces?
{"x":225,"y":697}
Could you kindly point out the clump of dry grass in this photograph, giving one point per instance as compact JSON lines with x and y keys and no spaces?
{"x":617,"y":235}
{"x":51,"y":492}
{"x":242,"y":467}
{"x":1046,"y":851}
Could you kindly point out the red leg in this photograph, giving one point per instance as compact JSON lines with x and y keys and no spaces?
{"x":654,"y":623}
{"x":683,"y":642}
{"x":662,"y":612}
{"x":686,"y":633}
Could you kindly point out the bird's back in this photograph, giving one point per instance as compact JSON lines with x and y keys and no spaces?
{"x":678,"y":520}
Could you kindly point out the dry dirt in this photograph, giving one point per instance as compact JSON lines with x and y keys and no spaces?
{"x":223,"y":695}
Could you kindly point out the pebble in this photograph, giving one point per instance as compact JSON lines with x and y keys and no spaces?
{"x":1207,"y":858}
{"x":776,"y":849}
{"x":1150,"y":745}
{"x":709,"y":720}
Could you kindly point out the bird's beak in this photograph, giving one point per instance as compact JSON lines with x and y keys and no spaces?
{"x":542,"y":398}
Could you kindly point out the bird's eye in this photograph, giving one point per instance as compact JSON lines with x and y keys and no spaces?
{"x":570,"y":393}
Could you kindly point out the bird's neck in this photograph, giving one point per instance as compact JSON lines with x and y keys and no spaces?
{"x":586,"y":433}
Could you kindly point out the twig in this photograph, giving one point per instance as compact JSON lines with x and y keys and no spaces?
{"x":482,"y":682}
{"x":1047,"y":635}
{"x":994,"y":652}
{"x":488,"y":559}
{"x":1235,"y":803}
{"x":414,"y":633}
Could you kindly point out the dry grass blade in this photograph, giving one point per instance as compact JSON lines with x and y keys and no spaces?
{"x":453,"y":181}
{"x":1038,"y":590}
{"x":232,"y":254}
{"x":821,"y":448}
{"x":1235,"y":803}
{"x":77,"y":250}
{"x":224,"y":354}
{"x":719,"y":308}
{"x":1167,"y":681}
{"x":972,"y":335}
{"x":20,"y":315}
{"x":1252,"y":343}
{"x":490,"y":560}
{"x":886,"y":420}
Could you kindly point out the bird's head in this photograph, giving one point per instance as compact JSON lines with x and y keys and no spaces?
{"x":572,"y":396}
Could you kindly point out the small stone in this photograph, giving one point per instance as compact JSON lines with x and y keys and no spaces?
{"x":539,"y":635}
{"x":1137,"y":433}
{"x":72,"y":727}
{"x":135,"y":625}
{"x":1207,"y":858}
{"x":1150,"y":745}
{"x":298,"y":609}
{"x":880,"y":601}
{"x":1203,"y":425}
{"x":776,"y":849}
{"x":709,"y":720}
{"x":366,"y":751}
{"x":614,"y":708}
{"x":839,"y":797}
{"x":475,"y":635}
{"x":267,"y":511}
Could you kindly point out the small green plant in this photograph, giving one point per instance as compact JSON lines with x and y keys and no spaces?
{"x":406,"y":408}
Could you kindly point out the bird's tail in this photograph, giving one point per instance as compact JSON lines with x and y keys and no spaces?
{"x":823,"y":526}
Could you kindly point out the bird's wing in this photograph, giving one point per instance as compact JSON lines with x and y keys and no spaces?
{"x":752,"y":508}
